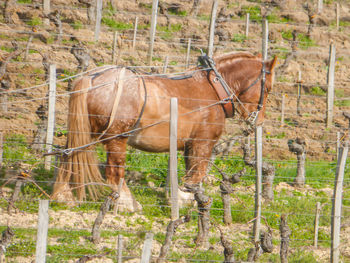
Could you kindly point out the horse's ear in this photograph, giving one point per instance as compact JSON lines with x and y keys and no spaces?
{"x":259,"y":55}
{"x":273,"y":63}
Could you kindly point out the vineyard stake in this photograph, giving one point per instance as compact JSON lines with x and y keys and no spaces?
{"x":147,"y":247}
{"x":46,"y":11}
{"x":317,"y":222}
{"x":188,"y":53}
{"x":330,"y":83}
{"x":320,"y":6}
{"x":135,"y":33}
{"x":98,"y":19}
{"x":299,"y":93}
{"x":258,"y":183}
{"x":265,"y":38}
{"x":1,"y":148}
{"x":51,"y":117}
{"x":166,"y":62}
{"x":173,"y":159}
{"x":247,"y":25}
{"x":337,"y":205}
{"x":282,"y":109}
{"x":120,"y":248}
{"x":212,"y":28}
{"x":152,"y":30}
{"x":114,"y":48}
{"x":43,"y":223}
{"x":337,"y":14}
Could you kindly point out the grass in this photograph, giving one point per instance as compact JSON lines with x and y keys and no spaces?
{"x":304,"y":41}
{"x":299,"y":205}
{"x":316,"y":90}
{"x":35,"y":21}
{"x":166,"y":33}
{"x":342,"y":103}
{"x":240,"y":38}
{"x":116,"y":25}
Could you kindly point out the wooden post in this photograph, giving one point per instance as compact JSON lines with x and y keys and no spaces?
{"x":258,"y":184}
{"x":265,"y":38}
{"x":282,"y":108}
{"x":43,"y":223}
{"x":212,"y":28}
{"x":337,"y":14}
{"x":247,"y":25}
{"x":98,"y":19}
{"x":299,"y":93}
{"x":317,"y":222}
{"x":320,"y":6}
{"x":173,"y":160}
{"x":147,"y":247}
{"x":46,"y":11}
{"x":120,"y":249}
{"x":152,"y":30}
{"x":337,"y":204}
{"x":330,"y":83}
{"x":188,"y":53}
{"x":3,"y":101}
{"x":135,"y":33}
{"x":166,"y":62}
{"x":1,"y":148}
{"x":114,"y":48}
{"x":51,"y":117}
{"x":338,"y":145}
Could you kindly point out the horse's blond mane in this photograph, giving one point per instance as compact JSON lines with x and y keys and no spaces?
{"x":231,"y":57}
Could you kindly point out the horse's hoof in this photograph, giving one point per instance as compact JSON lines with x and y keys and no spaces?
{"x":64,"y":194}
{"x":185,"y":198}
{"x":127,"y":203}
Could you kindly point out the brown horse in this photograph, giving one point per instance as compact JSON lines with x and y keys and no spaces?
{"x":117,"y":106}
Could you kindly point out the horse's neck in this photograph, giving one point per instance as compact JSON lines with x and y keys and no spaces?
{"x":237,"y":71}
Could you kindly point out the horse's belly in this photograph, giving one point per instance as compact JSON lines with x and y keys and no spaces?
{"x":153,"y":141}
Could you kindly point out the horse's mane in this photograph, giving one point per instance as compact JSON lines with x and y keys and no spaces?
{"x":233,"y":56}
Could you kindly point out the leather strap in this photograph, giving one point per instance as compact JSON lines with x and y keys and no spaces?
{"x":116,"y":101}
{"x":228,"y":107}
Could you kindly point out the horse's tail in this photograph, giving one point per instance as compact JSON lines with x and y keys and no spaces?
{"x":80,"y":168}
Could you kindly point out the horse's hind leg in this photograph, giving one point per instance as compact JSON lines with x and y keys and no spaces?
{"x":115,"y":170}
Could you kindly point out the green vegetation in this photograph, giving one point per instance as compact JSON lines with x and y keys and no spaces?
{"x":254,"y":12}
{"x":24,"y":1}
{"x":166,"y":33}
{"x":7,"y":49}
{"x":77,"y":24}
{"x":115,"y":25}
{"x":342,"y":103}
{"x":317,"y":91}
{"x":177,"y":12}
{"x":35,"y":21}
{"x":240,"y":38}
{"x":152,"y":169}
{"x":304,"y":41}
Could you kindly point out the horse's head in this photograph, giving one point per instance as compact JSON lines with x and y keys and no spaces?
{"x":251,"y":79}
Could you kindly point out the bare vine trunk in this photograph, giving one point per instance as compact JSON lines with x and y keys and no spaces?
{"x":204,"y":204}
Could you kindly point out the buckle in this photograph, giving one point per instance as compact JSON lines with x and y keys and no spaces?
{"x":252,"y":117}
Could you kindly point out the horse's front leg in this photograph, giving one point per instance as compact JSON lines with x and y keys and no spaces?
{"x":115,"y":171}
{"x":197,"y":157}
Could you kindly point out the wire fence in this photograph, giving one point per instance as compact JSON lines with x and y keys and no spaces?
{"x":70,"y":229}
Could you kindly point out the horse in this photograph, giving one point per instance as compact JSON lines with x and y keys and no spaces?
{"x":119,"y":106}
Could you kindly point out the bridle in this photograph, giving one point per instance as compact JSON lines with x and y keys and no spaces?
{"x":208,"y":62}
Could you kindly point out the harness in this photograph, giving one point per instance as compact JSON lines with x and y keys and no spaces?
{"x":117,"y":99}
{"x":226,"y":94}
